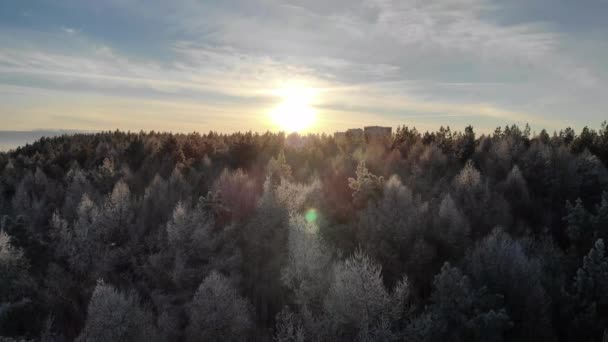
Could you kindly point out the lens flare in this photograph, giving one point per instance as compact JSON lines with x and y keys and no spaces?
{"x":311,"y":215}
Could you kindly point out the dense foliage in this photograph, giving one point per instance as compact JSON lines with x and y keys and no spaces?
{"x":442,"y":236}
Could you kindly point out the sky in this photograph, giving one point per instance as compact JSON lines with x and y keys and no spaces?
{"x":216,"y":65}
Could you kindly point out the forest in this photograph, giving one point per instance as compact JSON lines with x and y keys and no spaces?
{"x":434,"y":236}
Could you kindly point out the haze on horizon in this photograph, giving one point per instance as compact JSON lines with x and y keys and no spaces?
{"x":241,"y":65}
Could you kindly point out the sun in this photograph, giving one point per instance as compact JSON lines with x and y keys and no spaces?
{"x":295,"y":112}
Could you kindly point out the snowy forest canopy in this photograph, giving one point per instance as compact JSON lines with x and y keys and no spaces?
{"x":436,"y":236}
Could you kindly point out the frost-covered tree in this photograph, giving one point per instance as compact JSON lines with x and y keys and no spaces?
{"x":23,"y":200}
{"x":15,"y":288}
{"x":600,"y":221}
{"x":264,"y":241}
{"x":80,"y":242}
{"x":579,"y":220}
{"x":198,"y":245}
{"x":357,"y":304}
{"x":113,"y":317}
{"x":501,"y":264}
{"x":78,"y":185}
{"x":458,"y":312}
{"x":26,"y":239}
{"x":402,"y":306}
{"x":217,"y":312}
{"x":297,"y":197}
{"x":366,"y":186}
{"x":591,"y":279}
{"x":278,"y":169}
{"x":106,"y":174}
{"x":116,"y":215}
{"x":179,"y":188}
{"x":94,"y":243}
{"x":307,"y":265}
{"x":516,"y":189}
{"x":469,"y":178}
{"x":589,"y":294}
{"x":156,"y":208}
{"x":288,"y":328}
{"x":483,"y":208}
{"x":451,"y":227}
{"x":239,"y":192}
{"x":592,"y":175}
{"x":180,"y":227}
{"x":427,"y":166}
{"x":389,"y":228}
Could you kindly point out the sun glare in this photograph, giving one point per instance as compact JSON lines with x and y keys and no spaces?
{"x":295,"y":112}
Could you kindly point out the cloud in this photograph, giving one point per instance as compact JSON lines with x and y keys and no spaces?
{"x":226,"y":72}
{"x":385,"y":58}
{"x":69,"y":30}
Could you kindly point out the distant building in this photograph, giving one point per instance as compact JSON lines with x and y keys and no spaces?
{"x":354,"y":133}
{"x":377,"y":132}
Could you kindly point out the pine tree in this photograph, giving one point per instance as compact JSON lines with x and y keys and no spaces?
{"x":466,"y":144}
{"x":217,"y":312}
{"x":590,"y":297}
{"x":115,"y":317}
{"x":458,"y":312}
{"x":288,"y":328}
{"x":469,"y":178}
{"x":500,"y":264}
{"x":278,"y":169}
{"x":80,"y":242}
{"x":600,"y":220}
{"x":389,"y":227}
{"x":308,"y":261}
{"x":116,"y":215}
{"x":579,"y":221}
{"x":239,"y":192}
{"x":13,"y":267}
{"x":357,"y":302}
{"x":198,"y":245}
{"x":452,"y":227}
{"x":366,"y":186}
{"x":264,"y":243}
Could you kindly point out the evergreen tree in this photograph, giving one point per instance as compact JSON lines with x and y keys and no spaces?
{"x":217,"y":312}
{"x":590,"y":296}
{"x":500,"y":264}
{"x":114,"y":316}
{"x":366,"y":186}
{"x":458,"y":312}
{"x":389,"y":228}
{"x":357,"y":303}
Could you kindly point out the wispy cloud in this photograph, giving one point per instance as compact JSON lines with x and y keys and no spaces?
{"x":69,"y":30}
{"x":393,"y":60}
